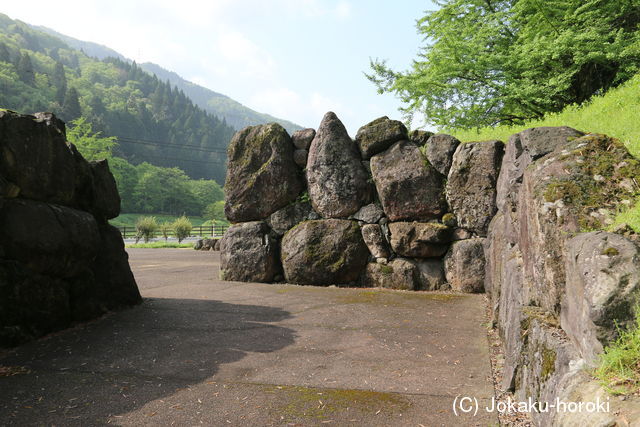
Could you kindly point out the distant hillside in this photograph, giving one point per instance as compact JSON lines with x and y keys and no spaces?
{"x":92,"y":49}
{"x":152,"y":120}
{"x":236,"y":114}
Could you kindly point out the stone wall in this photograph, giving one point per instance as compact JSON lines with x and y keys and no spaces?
{"x":424,"y":212}
{"x":60,"y":261}
{"x":387,"y":209}
{"x":557,"y":289}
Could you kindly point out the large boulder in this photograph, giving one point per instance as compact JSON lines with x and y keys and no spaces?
{"x":375,"y":241}
{"x":440,"y":150}
{"x":286,"y":218}
{"x":602,"y":281}
{"x":249,"y":253}
{"x":521,"y":150}
{"x":262,"y":176}
{"x":105,"y":200}
{"x":50,"y":239}
{"x":378,"y":135}
{"x":398,"y":274}
{"x":337,"y":180}
{"x":464,"y":265}
{"x":108,"y":283}
{"x":471,"y":184}
{"x":324,"y":252}
{"x":419,"y":239}
{"x":31,"y":304}
{"x":408,"y":186}
{"x":35,"y":159}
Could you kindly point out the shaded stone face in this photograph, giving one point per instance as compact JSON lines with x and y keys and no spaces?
{"x":262,"y":176}
{"x":408,"y":186}
{"x":324,"y":252}
{"x":471,"y":184}
{"x":378,"y":135}
{"x":602,"y":277}
{"x":302,"y":138}
{"x":338,"y":183}
{"x":419,"y":239}
{"x":464,"y":265}
{"x":249,"y":253}
{"x":440,"y":150}
{"x":286,"y":218}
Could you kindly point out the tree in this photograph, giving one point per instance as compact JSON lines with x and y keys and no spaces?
{"x":505,"y":61}
{"x":25,"y":69}
{"x":91,"y":145}
{"x":215,"y":211}
{"x":71,"y":107}
{"x":59,"y":80}
{"x":146,"y":228}
{"x":5,"y":55}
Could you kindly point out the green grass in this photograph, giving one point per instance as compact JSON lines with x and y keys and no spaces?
{"x":619,"y":369}
{"x":614,"y":114}
{"x":160,"y":245}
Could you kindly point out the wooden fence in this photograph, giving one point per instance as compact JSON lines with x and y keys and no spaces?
{"x":196,"y":231}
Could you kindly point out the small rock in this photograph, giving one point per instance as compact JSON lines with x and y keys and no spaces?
{"x":378,"y":135}
{"x":302,"y":138}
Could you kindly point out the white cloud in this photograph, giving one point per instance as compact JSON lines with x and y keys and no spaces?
{"x":247,"y":56}
{"x":343,"y":10}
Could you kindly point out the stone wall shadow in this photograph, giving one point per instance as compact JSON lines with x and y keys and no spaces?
{"x":123,"y":361}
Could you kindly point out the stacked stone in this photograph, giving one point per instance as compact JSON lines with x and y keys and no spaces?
{"x":386,"y":210}
{"x":60,"y":261}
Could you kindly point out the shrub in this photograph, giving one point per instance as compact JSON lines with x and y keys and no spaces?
{"x":146,"y":228}
{"x":182,"y":228}
{"x":165,"y":230}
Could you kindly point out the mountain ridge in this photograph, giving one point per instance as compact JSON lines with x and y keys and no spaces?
{"x":235,"y":113}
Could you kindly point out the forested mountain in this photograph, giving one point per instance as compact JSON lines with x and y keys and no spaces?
{"x":237,"y":115}
{"x":152,"y":120}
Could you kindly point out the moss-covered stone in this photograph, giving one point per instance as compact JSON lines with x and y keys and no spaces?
{"x":598,"y":171}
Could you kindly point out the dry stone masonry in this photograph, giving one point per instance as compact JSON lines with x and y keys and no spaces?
{"x":417,"y":211}
{"x":366,"y":212}
{"x":60,"y":261}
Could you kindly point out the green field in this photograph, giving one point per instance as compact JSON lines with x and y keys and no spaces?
{"x":614,"y":114}
{"x":130,"y":219}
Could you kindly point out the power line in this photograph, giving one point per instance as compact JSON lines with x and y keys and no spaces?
{"x":128,"y":140}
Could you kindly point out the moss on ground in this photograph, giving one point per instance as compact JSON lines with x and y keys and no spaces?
{"x":320,"y":404}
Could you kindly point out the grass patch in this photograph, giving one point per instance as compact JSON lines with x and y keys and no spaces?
{"x":619,"y":368}
{"x":160,"y":245}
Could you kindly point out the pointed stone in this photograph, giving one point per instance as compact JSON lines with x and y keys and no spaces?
{"x":338,"y":182}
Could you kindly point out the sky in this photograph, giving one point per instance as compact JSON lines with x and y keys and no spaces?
{"x":294,"y":59}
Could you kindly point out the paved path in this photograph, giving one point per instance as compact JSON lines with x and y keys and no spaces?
{"x":201,"y":351}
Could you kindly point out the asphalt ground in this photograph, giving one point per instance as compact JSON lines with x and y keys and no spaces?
{"x":200,"y":351}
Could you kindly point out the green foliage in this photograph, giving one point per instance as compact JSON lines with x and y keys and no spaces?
{"x":506,"y":61}
{"x":152,"y":120}
{"x":215,"y":211}
{"x":146,"y":228}
{"x":182,"y":228}
{"x":165,"y":230}
{"x":91,"y":145}
{"x":130,"y":219}
{"x":619,"y":367}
